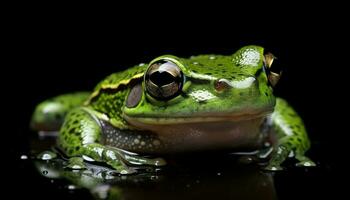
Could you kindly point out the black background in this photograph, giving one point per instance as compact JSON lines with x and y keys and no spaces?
{"x":54,"y":52}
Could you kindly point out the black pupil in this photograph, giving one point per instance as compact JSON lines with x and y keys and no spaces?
{"x":162,"y":78}
{"x":276,"y":67}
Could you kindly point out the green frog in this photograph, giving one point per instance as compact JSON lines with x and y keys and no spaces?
{"x":179,"y":105}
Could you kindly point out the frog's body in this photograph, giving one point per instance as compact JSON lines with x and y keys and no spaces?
{"x":177,"y":105}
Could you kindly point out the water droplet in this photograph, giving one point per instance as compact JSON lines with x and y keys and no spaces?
{"x":124,"y":172}
{"x":24,"y":157}
{"x":219,"y":174}
{"x":245,"y":160}
{"x":160,"y":162}
{"x":72,"y":187}
{"x":157,"y":170}
{"x":212,"y":57}
{"x":47,"y":155}
{"x":195,"y":63}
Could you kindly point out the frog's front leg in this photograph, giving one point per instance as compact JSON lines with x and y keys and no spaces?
{"x":292,"y":137}
{"x":80,"y":135}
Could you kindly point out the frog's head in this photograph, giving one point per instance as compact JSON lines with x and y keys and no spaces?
{"x":205,"y":88}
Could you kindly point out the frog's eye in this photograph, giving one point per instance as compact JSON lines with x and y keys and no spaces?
{"x":163,"y":80}
{"x":273,"y":72}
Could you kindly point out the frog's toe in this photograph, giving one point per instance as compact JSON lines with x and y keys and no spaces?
{"x":76,"y":163}
{"x":273,"y":167}
{"x":138,"y":160}
{"x":121,"y":167}
{"x":305,"y":162}
{"x":135,"y":159}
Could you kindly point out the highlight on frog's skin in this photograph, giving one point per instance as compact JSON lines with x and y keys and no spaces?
{"x":178,"y":105}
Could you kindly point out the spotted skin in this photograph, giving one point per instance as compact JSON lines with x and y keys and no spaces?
{"x":81,"y":135}
{"x":95,"y":125}
{"x":132,"y":140}
{"x":49,"y":115}
{"x":219,"y":66}
{"x":292,"y":136}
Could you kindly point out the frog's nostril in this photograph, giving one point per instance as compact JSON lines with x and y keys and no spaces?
{"x":222,"y":84}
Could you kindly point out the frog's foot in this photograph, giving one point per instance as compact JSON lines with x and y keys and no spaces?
{"x":265,"y":153}
{"x":304,"y":161}
{"x":282,"y":153}
{"x":119,"y":159}
{"x":277,"y":158}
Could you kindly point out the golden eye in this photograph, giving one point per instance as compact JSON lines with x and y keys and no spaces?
{"x":164,"y":80}
{"x":273,"y":71}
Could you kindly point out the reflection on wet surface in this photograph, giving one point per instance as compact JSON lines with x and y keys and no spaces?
{"x":204,"y":177}
{"x":103,"y":183}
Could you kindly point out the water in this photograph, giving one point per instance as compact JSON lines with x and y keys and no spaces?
{"x":202,"y":177}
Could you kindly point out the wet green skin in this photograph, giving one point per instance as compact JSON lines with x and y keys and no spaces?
{"x":100,"y":126}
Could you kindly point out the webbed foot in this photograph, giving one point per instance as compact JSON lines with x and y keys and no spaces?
{"x":304,"y":161}
{"x":119,"y":159}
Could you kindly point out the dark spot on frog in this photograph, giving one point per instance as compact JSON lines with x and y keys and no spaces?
{"x":266,"y":94}
{"x":72,"y":130}
{"x":299,"y":139}
{"x":77,"y":148}
{"x":70,"y":151}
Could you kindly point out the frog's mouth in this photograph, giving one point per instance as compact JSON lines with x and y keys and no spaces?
{"x":195,"y":118}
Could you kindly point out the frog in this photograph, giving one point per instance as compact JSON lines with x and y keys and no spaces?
{"x":177,"y":106}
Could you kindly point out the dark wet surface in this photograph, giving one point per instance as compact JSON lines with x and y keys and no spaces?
{"x":200,"y":177}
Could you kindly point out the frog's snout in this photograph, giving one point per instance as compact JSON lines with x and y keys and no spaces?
{"x":222,"y":84}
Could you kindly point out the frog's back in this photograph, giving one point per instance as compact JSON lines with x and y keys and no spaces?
{"x":109,"y":95}
{"x":119,"y":79}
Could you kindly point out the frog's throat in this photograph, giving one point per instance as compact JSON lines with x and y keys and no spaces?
{"x":204,"y":133}
{"x":236,"y":117}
